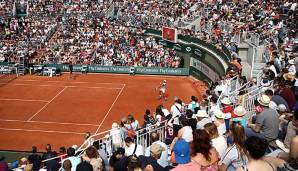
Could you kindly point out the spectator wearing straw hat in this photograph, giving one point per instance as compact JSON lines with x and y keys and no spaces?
{"x":267,"y":122}
{"x":220,"y":122}
{"x":240,"y":113}
{"x":202,"y":118}
{"x":156,"y":151}
{"x":163,"y":160}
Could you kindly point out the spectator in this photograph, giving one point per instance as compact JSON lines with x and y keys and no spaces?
{"x":88,"y":139}
{"x":134,"y":123}
{"x":155,"y":154}
{"x":227,"y":110}
{"x":292,"y":130}
{"x":91,"y":156}
{"x":84,"y":166}
{"x":192,"y":122}
{"x":193,"y":104}
{"x":266,"y":122}
{"x":218,"y":141}
{"x":291,"y":67}
{"x":204,"y":156}
{"x":240,"y":113}
{"x":276,"y":100}
{"x":181,"y":152}
{"x":176,"y":111}
{"x":118,"y":160}
{"x":67,"y":165}
{"x":3,"y":164}
{"x":133,"y":163}
{"x":186,"y":131}
{"x":235,"y":156}
{"x":75,"y":160}
{"x":163,"y":160}
{"x":52,"y":165}
{"x":62,"y":153}
{"x":202,"y":118}
{"x":116,"y":136}
{"x":287,"y":94}
{"x":220,"y":122}
{"x":35,"y":159}
{"x":132,"y":148}
{"x":256,"y":148}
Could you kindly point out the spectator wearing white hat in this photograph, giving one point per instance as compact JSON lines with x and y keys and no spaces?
{"x":202,"y":118}
{"x":240,"y":113}
{"x":227,"y":110}
{"x":220,"y":122}
{"x":267,"y":122}
{"x":291,"y":67}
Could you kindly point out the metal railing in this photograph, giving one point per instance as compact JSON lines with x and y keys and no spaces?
{"x":105,"y":142}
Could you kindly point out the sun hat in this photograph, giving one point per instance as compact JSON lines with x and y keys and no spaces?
{"x":202,"y":114}
{"x":219,"y":114}
{"x":264,"y":100}
{"x":156,"y":149}
{"x":281,"y":108}
{"x":225,"y":101}
{"x":240,"y":111}
{"x":181,"y":151}
{"x":292,"y":62}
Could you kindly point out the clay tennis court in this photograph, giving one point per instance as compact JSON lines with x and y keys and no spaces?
{"x":36,"y":110}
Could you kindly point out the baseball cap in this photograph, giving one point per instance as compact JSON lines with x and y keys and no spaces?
{"x":181,"y":151}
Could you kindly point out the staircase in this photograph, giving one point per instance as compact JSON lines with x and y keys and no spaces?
{"x":259,"y":62}
{"x":21,"y":65}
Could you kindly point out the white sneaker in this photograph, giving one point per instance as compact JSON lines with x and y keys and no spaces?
{"x":282,"y":146}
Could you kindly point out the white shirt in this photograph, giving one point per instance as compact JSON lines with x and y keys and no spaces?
{"x":129,"y":150}
{"x":116,"y":136}
{"x":292,"y":69}
{"x":175,"y":110}
{"x":220,"y":144}
{"x":222,"y":129}
{"x":187,"y":133}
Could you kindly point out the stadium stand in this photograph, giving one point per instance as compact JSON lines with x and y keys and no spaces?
{"x":242,"y":123}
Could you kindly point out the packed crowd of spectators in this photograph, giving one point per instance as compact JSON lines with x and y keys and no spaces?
{"x":217,"y":133}
{"x":104,"y":42}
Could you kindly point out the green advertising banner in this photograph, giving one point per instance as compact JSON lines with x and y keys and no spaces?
{"x":123,"y":70}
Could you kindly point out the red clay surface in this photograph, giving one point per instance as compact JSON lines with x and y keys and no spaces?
{"x":36,"y":110}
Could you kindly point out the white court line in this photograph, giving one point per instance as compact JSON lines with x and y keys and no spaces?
{"x":48,"y":85}
{"x":75,"y":82}
{"x":38,"y":130}
{"x":24,"y":100}
{"x":43,"y":122}
{"x":110,"y":109}
{"x":46,"y":104}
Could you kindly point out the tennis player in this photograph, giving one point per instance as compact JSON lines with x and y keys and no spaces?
{"x":162,"y":90}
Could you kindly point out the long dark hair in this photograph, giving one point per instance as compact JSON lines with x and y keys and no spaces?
{"x":201,"y":144}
